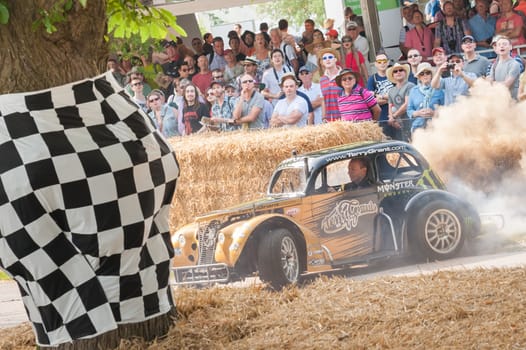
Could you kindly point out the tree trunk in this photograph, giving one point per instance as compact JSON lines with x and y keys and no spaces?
{"x":33,"y":59}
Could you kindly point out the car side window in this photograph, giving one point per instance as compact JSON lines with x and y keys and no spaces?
{"x":397,"y":165}
{"x":337,"y":176}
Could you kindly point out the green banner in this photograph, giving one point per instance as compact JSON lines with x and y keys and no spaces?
{"x":380,"y":4}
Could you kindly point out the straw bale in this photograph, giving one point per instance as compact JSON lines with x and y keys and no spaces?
{"x":223,"y":169}
{"x":466,"y":309}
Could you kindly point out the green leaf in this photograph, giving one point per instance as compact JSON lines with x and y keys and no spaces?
{"x":83,"y":3}
{"x":4,"y":14}
{"x":68,"y":5}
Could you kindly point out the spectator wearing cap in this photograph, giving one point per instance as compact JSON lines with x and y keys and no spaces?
{"x":482,"y":26}
{"x":233,"y":68}
{"x":203,"y":79}
{"x":250,"y":66}
{"x":423,"y":99}
{"x":439,"y":56}
{"x":272,"y":76}
{"x":505,"y":70}
{"x":473,"y":62}
{"x":215,"y":58}
{"x":354,"y":102}
{"x":350,"y":16}
{"x":329,"y":88}
{"x":398,"y":98}
{"x":313,"y":91}
{"x":359,"y":42}
{"x":450,"y":30}
{"x":420,"y":37}
{"x":249,"y":109}
{"x":291,"y":110}
{"x":223,"y":107}
{"x":456,"y":83}
{"x":380,"y":86}
{"x":172,"y":60}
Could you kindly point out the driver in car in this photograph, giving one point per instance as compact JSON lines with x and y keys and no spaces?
{"x":357,"y":170}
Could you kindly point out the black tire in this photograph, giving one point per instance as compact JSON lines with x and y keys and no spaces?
{"x":438,"y":232}
{"x":278,"y":258}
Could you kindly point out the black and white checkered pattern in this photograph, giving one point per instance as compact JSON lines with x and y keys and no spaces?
{"x":86,"y":184}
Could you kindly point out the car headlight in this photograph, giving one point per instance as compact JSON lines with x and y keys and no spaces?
{"x":181,"y":240}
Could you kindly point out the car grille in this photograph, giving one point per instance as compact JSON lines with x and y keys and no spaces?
{"x":207,"y":237}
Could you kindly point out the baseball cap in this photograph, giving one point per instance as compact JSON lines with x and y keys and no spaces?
{"x":352,"y":24}
{"x":438,"y":49}
{"x":468,"y":37}
{"x":304,"y":69}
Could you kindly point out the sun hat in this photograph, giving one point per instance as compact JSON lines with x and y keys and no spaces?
{"x":324,"y":43}
{"x":397,"y":65}
{"x":328,"y":50}
{"x":422,"y":67}
{"x":345,"y":72}
{"x":289,"y":76}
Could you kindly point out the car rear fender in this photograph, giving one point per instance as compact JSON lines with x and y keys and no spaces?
{"x":467,"y":213}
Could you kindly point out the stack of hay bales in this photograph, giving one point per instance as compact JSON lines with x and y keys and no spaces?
{"x":219,"y":170}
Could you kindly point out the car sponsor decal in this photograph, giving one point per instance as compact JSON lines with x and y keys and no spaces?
{"x":429,"y":180}
{"x":395,"y":186}
{"x":346,"y":214}
{"x":292,"y":211}
{"x":351,"y":154}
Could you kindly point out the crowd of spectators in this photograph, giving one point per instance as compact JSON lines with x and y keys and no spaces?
{"x":275,"y":79}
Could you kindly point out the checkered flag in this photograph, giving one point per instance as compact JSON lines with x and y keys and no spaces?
{"x":86,"y":184}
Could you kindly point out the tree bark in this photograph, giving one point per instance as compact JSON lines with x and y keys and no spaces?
{"x":32,"y":60}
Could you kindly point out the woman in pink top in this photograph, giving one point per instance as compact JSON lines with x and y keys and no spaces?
{"x":355,"y":103}
{"x":420,"y":37}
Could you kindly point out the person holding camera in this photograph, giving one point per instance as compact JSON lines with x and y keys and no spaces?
{"x":451,"y":78}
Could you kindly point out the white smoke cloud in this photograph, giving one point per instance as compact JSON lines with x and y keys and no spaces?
{"x":477,"y":146}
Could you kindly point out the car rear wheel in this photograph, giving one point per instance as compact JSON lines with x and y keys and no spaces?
{"x":438,"y":231}
{"x":278,"y":259}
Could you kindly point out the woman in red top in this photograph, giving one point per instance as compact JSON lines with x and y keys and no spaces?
{"x":420,"y":37}
{"x":354,"y":59}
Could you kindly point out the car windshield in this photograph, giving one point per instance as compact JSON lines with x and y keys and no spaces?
{"x":288,"y":180}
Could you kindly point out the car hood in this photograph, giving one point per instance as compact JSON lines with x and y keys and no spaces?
{"x":267,"y":204}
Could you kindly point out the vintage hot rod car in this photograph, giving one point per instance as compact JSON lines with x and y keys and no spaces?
{"x":311,"y":222}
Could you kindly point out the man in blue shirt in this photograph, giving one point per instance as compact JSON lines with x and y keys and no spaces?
{"x":483,"y":27}
{"x":457,"y":83}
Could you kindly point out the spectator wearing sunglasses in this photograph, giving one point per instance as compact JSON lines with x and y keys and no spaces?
{"x":473,"y":62}
{"x":456,"y":82}
{"x":356,"y":104}
{"x":398,"y":99}
{"x":329,"y":88}
{"x":162,"y":114}
{"x":380,"y":86}
{"x":423,"y":98}
{"x":249,"y":110}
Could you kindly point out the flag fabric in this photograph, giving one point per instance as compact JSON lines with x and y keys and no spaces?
{"x":86,"y":183}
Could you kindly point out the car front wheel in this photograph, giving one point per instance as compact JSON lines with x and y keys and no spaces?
{"x":438,"y":231}
{"x":278,"y":261}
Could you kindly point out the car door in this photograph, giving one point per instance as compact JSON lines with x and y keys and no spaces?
{"x":343,"y":218}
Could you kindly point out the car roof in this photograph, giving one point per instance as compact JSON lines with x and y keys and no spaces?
{"x":351,"y":150}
